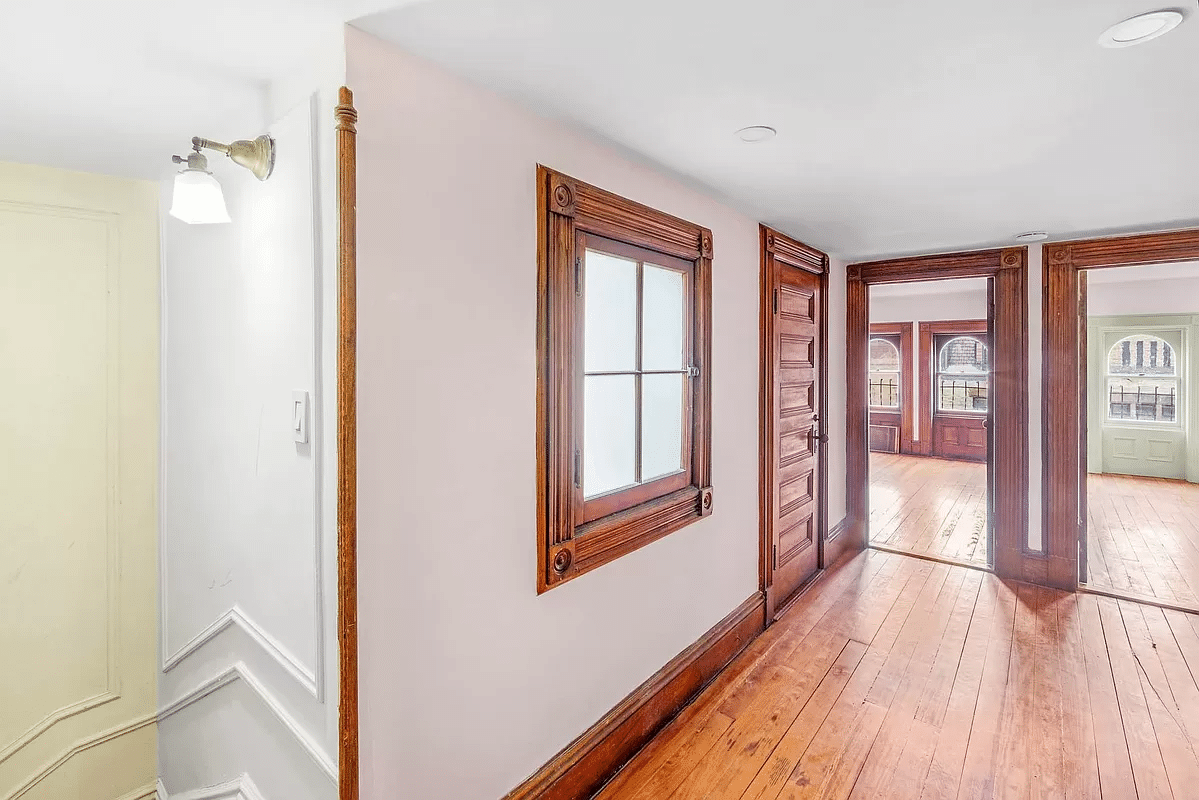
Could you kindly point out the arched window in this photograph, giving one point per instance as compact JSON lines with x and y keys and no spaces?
{"x":963,"y":372}
{"x":1142,"y":380}
{"x":884,"y":373}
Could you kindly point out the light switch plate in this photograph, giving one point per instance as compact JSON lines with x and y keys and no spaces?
{"x":299,"y":416}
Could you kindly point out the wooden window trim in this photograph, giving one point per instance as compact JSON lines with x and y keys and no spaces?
{"x":907,"y":380}
{"x":568,"y":546}
{"x":1009,"y":268}
{"x":1064,"y":383}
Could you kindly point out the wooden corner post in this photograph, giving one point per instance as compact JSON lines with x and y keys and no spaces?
{"x":347,"y":439}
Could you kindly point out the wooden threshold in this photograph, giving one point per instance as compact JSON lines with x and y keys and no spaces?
{"x":953,"y":562}
{"x":1133,"y":597}
{"x":591,"y":760}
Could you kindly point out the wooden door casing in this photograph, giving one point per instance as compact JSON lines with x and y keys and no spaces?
{"x":794,"y":366}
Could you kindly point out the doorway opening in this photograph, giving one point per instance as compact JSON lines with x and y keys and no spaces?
{"x":1140,"y":416}
{"x":929,"y":385}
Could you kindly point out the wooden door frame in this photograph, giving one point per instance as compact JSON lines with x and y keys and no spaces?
{"x":347,"y":444}
{"x":907,"y":379}
{"x":1063,"y":444}
{"x":928,"y":334}
{"x":777,"y":247}
{"x":1009,"y":268}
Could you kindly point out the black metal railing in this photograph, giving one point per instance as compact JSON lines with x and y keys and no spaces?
{"x":884,"y":393}
{"x":1156,"y":405}
{"x":964,"y":395}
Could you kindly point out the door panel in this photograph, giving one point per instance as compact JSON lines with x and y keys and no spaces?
{"x":795,"y":463}
{"x":78,"y":535}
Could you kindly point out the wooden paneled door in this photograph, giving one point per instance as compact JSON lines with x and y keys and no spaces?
{"x":794,"y":517}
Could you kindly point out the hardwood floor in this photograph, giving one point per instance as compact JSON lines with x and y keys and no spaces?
{"x":900,"y":678}
{"x":1143,"y":538}
{"x":930,"y":506}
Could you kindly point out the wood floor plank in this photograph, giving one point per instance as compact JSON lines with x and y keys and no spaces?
{"x":1142,"y":537}
{"x":945,"y":770}
{"x":1144,"y":751}
{"x":978,"y":764}
{"x":650,"y":779}
{"x":1111,"y":743}
{"x":931,"y":506}
{"x":961,"y":686}
{"x":1080,"y":762}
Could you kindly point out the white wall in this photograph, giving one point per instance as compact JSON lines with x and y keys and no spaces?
{"x":1132,"y":296}
{"x":249,"y":684}
{"x":929,"y":300}
{"x":836,"y":391}
{"x":469,"y":680}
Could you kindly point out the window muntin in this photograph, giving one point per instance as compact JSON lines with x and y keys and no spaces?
{"x":1142,"y":380}
{"x":884,"y":369}
{"x":963,"y":375}
{"x":637,"y":351}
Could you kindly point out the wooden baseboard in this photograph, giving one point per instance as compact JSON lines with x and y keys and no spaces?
{"x":587,"y":763}
{"x":841,"y":539}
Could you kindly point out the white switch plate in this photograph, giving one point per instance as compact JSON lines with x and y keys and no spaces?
{"x":299,"y":416}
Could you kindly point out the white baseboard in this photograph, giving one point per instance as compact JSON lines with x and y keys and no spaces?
{"x":241,"y":788}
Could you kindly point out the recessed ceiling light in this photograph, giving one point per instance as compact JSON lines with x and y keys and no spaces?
{"x":1032,"y":236}
{"x":1141,"y":28}
{"x":756,"y":133}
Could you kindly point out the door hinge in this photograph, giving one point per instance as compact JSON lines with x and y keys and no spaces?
{"x":776,"y":301}
{"x":776,"y":556}
{"x":578,"y":469}
{"x":578,"y":276}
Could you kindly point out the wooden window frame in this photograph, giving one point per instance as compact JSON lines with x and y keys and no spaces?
{"x":892,"y":339}
{"x":1064,"y":383}
{"x":1009,"y":351}
{"x":907,"y":381}
{"x":568,"y":546}
{"x":929,"y":331}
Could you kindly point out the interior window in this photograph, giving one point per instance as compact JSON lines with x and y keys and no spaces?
{"x":624,"y":391}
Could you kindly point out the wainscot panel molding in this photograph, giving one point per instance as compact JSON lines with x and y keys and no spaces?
{"x":588,"y":762}
{"x":82,"y":746}
{"x":242,"y":788}
{"x":239,"y":671}
{"x":307,"y":678}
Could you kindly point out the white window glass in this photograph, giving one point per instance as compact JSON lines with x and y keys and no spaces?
{"x":609,"y":433}
{"x":661,"y":425}
{"x":1142,"y":380}
{"x":611,"y":313}
{"x":662,"y":319}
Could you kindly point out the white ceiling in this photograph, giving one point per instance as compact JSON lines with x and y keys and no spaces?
{"x":903,"y":126}
{"x":118,"y":86}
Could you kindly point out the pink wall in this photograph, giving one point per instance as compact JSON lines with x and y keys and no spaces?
{"x":469,"y":680}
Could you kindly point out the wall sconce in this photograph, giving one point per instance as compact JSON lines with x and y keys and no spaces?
{"x":198,"y":199}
